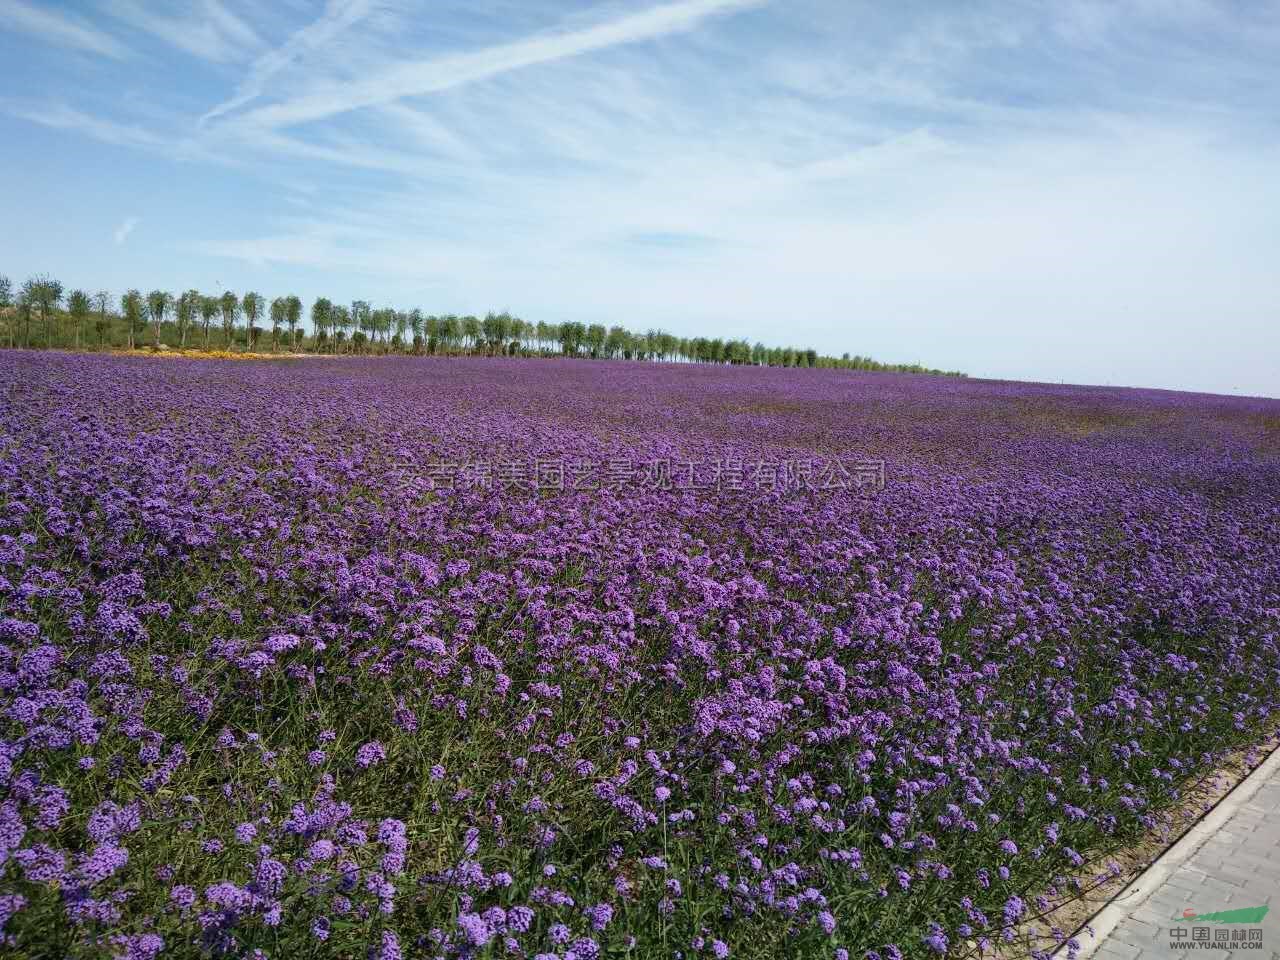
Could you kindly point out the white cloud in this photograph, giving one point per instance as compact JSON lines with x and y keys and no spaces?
{"x":207,"y":30}
{"x":122,"y":232}
{"x":886,"y":156}
{"x":418,"y":77}
{"x":338,"y":16}
{"x":59,"y":28}
{"x":62,"y":117}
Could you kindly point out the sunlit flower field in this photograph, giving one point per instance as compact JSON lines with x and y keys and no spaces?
{"x":568,"y":659}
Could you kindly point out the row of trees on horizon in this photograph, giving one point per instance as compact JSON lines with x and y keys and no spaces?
{"x":79,"y":320}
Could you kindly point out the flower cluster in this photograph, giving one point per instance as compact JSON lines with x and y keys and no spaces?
{"x":268,"y":689}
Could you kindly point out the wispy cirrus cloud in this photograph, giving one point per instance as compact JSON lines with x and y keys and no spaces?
{"x":671,"y":240}
{"x":58,"y":27}
{"x":121,"y":233}
{"x":206,"y":29}
{"x":338,"y":16}
{"x":59,"y":116}
{"x":414,"y":78}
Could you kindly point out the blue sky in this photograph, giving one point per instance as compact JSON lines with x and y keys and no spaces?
{"x":1073,"y":190}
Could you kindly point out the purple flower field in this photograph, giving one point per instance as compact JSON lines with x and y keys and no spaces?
{"x":568,"y":659}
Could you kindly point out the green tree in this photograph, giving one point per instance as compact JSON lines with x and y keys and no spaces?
{"x":615,"y":342}
{"x":418,"y":326}
{"x":572,"y":336}
{"x":471,"y":330}
{"x":292,"y":316}
{"x":101,"y":301}
{"x":450,"y":330}
{"x":361,"y":321}
{"x":340,"y":320}
{"x":279,"y":311}
{"x":252,"y":304}
{"x":131,"y":308}
{"x":158,"y":304}
{"x":596,"y":337}
{"x":6,"y":303}
{"x":402,"y":324}
{"x":321,"y":317}
{"x":26,"y":307}
{"x":78,"y":307}
{"x":210,"y":307}
{"x":489,"y":330}
{"x":228,"y":305}
{"x":45,"y":293}
{"x":190,"y":306}
{"x":379,"y":324}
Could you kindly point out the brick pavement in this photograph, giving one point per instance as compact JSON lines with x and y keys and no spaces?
{"x":1236,"y":866}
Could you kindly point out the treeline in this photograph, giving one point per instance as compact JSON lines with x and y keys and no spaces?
{"x":42,"y":314}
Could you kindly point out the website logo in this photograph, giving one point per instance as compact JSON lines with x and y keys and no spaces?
{"x":1221,"y":930}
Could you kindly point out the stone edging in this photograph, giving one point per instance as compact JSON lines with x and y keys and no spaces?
{"x":1135,"y":893}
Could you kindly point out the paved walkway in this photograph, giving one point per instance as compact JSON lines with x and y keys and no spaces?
{"x":1232,"y":865}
